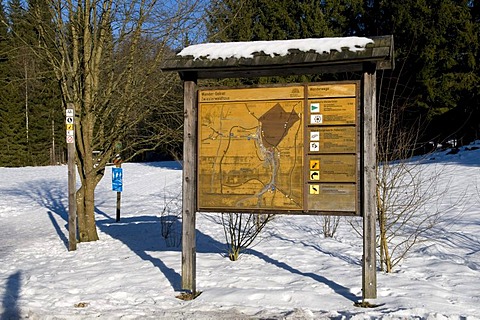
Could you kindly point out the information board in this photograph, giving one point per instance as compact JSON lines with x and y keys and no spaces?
{"x":290,"y":148}
{"x":333,"y":148}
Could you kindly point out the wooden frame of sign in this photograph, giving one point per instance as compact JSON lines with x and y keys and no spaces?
{"x":376,"y":56}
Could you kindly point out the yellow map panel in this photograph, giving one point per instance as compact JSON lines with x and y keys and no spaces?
{"x":250,"y":155}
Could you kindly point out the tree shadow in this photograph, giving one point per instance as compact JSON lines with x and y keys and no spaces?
{"x":58,"y":229}
{"x":143,"y":234}
{"x":49,"y":195}
{"x":10,"y":298}
{"x":337,"y":288}
{"x":346,"y":258}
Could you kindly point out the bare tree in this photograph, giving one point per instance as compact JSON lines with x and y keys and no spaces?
{"x":106,"y":56}
{"x":408,"y":198}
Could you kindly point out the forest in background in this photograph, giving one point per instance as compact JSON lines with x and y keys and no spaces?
{"x":434,"y":86}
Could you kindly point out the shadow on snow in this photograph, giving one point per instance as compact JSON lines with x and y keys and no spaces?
{"x":143,"y":234}
{"x":10,"y":298}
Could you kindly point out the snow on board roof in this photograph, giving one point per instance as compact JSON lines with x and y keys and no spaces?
{"x":239,"y":50}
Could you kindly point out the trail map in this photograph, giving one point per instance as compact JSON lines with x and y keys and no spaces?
{"x":251,"y":155}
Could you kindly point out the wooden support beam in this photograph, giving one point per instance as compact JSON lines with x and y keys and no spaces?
{"x":189,"y":184}
{"x":369,"y":207}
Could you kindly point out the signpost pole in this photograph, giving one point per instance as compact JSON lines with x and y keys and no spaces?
{"x":189,"y":185}
{"x":72,"y":210}
{"x":117,"y":183}
{"x":119,"y":196}
{"x":369,"y":205}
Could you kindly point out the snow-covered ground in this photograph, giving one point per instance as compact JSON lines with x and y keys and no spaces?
{"x":292,"y":273}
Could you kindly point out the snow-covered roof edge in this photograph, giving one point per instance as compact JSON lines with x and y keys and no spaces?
{"x":239,"y":50}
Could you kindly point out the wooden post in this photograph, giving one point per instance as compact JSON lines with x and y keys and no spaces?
{"x":119,"y":197}
{"x":369,"y":205}
{"x":189,"y":184}
{"x":118,"y":164}
{"x":72,"y":206}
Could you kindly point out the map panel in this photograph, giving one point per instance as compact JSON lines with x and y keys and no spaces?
{"x":250,"y":153}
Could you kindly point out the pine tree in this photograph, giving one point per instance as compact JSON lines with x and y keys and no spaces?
{"x":4,"y":127}
{"x":47,"y":114}
{"x":256,"y":20}
{"x":31,"y":100}
{"x":14,"y":151}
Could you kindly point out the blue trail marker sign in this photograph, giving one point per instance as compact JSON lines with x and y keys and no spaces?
{"x":117,"y":177}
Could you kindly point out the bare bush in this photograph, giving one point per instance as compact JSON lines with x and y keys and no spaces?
{"x":170,"y":221}
{"x":241,"y":230}
{"x":328,"y":224}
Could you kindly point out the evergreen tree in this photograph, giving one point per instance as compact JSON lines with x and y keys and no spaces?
{"x":254,"y":20}
{"x":48,"y":142}
{"x":436,"y":42}
{"x":446,"y":48}
{"x":32,"y":119}
{"x":14,"y":151}
{"x":4,"y":127}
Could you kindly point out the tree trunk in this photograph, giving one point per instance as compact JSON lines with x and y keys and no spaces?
{"x":384,"y":250}
{"x":87,"y":229}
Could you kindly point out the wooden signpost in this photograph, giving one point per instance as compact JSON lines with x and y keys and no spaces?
{"x":72,"y":210}
{"x":318,"y":153}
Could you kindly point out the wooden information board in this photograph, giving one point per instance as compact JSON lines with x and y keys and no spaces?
{"x":332,"y":134}
{"x":291,"y":149}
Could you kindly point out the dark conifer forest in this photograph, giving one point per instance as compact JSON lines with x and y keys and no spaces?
{"x":434,"y":88}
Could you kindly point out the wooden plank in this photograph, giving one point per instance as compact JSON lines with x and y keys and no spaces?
{"x":280,"y":70}
{"x":369,"y":210}
{"x":189,"y":186}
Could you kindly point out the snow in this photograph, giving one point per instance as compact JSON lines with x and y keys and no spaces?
{"x":292,"y":272}
{"x":246,"y":49}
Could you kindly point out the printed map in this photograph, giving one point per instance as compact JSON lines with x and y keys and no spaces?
{"x":250,"y":155}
